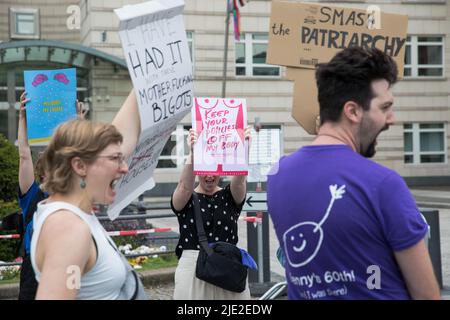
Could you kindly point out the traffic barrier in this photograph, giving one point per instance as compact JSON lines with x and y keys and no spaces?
{"x":136,"y":232}
{"x":10,"y":236}
{"x":251,"y":219}
{"x":111,"y":233}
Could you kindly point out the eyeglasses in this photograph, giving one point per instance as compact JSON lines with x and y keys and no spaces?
{"x":119,"y":158}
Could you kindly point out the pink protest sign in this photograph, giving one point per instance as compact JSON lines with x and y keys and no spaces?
{"x":221,"y":148}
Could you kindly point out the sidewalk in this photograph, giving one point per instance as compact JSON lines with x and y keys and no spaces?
{"x":439,"y":200}
{"x":430,"y":198}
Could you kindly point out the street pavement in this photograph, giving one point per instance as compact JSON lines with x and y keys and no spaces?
{"x":161,"y":291}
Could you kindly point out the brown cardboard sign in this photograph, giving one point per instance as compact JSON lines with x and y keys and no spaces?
{"x":304,"y":34}
{"x":305,"y":106}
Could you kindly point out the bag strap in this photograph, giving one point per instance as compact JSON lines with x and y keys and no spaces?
{"x":202,"y":239}
{"x":121,"y":255}
{"x":128,"y":268}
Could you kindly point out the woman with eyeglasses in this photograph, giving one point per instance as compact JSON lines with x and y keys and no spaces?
{"x":29,"y":196}
{"x":71,"y":253}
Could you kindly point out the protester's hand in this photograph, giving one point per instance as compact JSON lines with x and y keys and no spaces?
{"x":81,"y":111}
{"x":191,"y":140}
{"x":22,"y":131}
{"x":23,"y":102}
{"x":248,"y":135}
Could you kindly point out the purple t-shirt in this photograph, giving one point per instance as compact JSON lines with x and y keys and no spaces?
{"x":339,"y":218}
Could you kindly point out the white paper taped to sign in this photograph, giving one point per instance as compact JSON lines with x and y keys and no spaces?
{"x":157,"y":53}
{"x":221,"y":148}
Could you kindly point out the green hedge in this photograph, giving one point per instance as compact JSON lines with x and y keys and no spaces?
{"x":9,"y":171}
{"x":8,"y":247}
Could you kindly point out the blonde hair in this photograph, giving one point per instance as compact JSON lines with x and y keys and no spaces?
{"x":75,"y":138}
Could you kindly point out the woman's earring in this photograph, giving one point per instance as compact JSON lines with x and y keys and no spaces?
{"x":82,"y":184}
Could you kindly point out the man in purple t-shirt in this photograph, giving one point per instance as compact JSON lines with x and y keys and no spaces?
{"x":349,"y":227}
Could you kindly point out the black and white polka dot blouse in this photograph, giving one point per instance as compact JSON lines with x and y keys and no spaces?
{"x":220,"y":216}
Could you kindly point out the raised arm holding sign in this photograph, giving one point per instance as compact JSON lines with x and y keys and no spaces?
{"x":157,"y":54}
{"x":222,"y":207}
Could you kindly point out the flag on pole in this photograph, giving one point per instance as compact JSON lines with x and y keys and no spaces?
{"x":233,"y":7}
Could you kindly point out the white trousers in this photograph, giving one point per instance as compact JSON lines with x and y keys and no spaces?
{"x":189,"y":287}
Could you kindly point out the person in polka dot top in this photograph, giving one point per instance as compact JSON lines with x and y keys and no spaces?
{"x":220,"y":208}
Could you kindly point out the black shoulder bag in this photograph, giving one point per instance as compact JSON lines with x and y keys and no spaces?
{"x":220,"y":264}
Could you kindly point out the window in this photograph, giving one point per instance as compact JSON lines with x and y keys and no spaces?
{"x":424,"y":143}
{"x":24,"y":23}
{"x":266,"y":145}
{"x":428,"y":2}
{"x":5,"y":125}
{"x":251,"y":53}
{"x":190,"y":41}
{"x":265,"y":151}
{"x":424,"y":56}
{"x":175,"y":151}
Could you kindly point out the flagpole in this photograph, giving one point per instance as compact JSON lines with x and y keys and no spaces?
{"x":225,"y":54}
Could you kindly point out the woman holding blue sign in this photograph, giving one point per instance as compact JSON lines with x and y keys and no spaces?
{"x":71,"y":253}
{"x":29,"y":196}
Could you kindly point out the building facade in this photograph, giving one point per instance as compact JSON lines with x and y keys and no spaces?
{"x":50,"y":33}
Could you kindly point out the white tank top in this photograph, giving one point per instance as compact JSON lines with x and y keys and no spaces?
{"x":106,"y":278}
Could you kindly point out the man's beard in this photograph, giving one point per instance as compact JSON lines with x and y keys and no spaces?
{"x":370,"y":151}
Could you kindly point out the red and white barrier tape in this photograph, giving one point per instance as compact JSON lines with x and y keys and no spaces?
{"x":10,"y":236}
{"x":251,"y":219}
{"x":135,"y":232}
{"x":111,"y":233}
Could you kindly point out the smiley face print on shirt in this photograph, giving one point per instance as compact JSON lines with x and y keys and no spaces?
{"x":302,"y":241}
